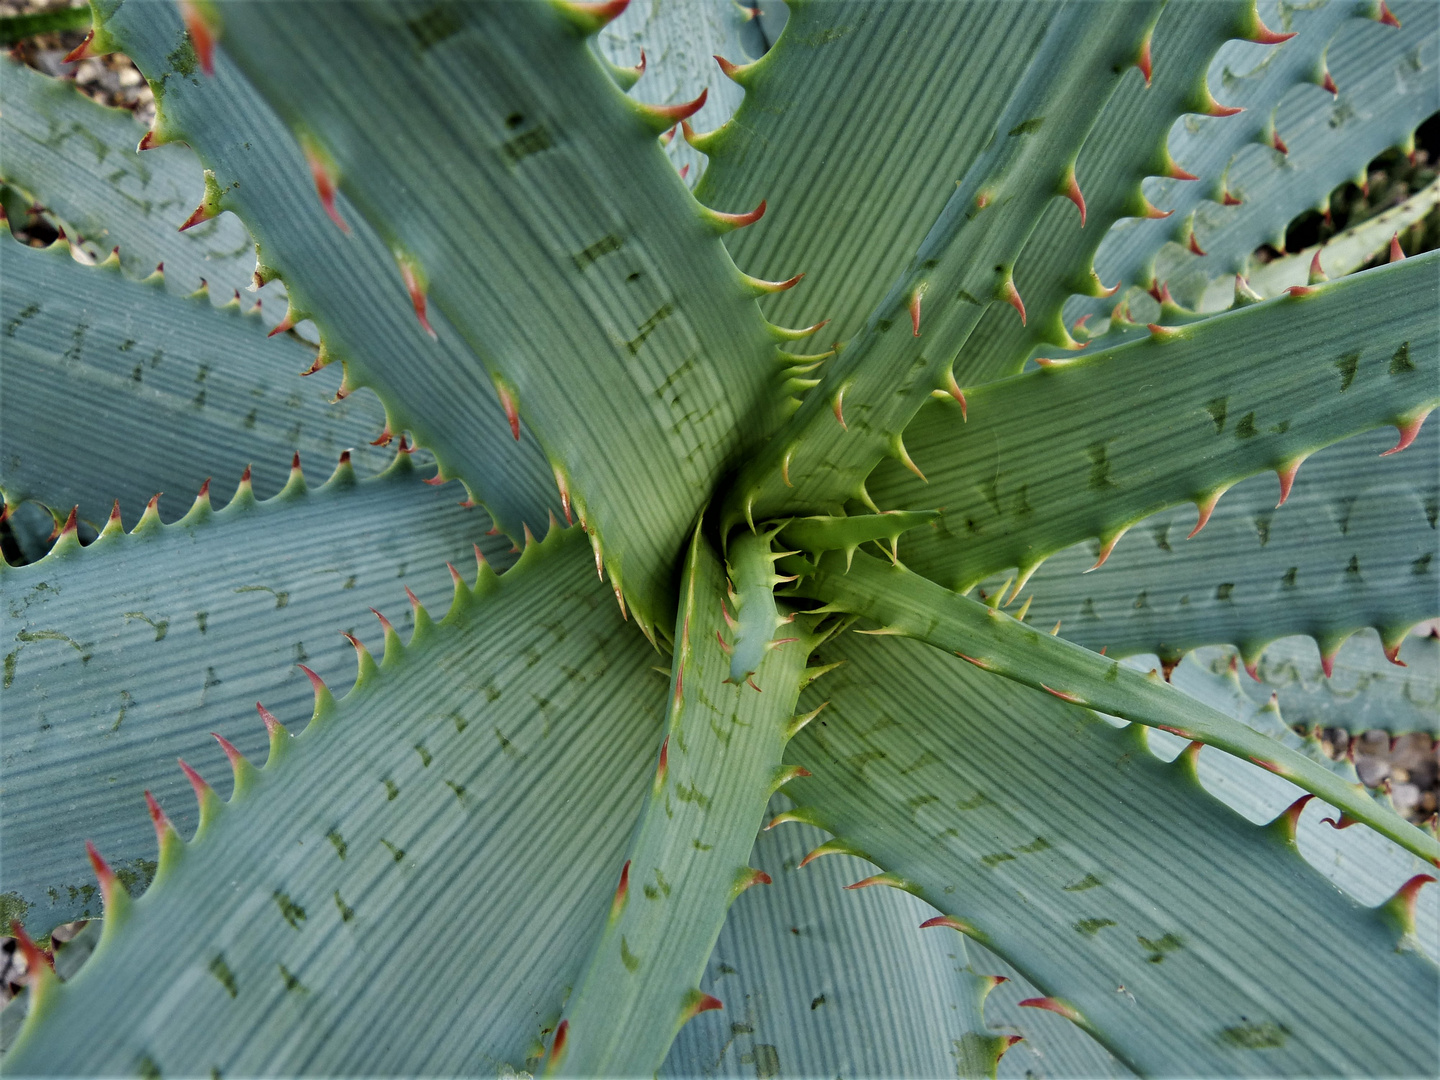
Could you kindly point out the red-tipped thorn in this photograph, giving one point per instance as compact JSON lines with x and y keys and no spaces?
{"x":202,"y":35}
{"x":1396,"y":254}
{"x":557,"y":1046}
{"x":1286,"y":473}
{"x":1144,"y":62}
{"x":1154,"y":213}
{"x":284,"y":324}
{"x":383,"y":440}
{"x":873,"y":879}
{"x":1291,"y":814}
{"x":435,"y":481}
{"x":148,"y":142}
{"x":1105,"y":550}
{"x":739,"y":221}
{"x":316,"y":683}
{"x":684,"y":170}
{"x":1010,"y":1040}
{"x":158,"y":819}
{"x":273,"y":726}
{"x":1205,"y":508}
{"x":325,"y":188}
{"x":36,"y":957}
{"x":726,"y":66}
{"x":840,"y":408}
{"x":1063,"y":695}
{"x":1216,"y":109}
{"x":1408,"y":432}
{"x":1265,"y":36}
{"x":1386,"y":16}
{"x":951,"y":922}
{"x":1054,"y":1005}
{"x":512,"y":413}
{"x":1229,"y":200}
{"x":1011,"y":296}
{"x":1278,"y":142}
{"x":683,"y":111}
{"x":1072,"y":192}
{"x":1393,"y":655}
{"x":81,"y":51}
{"x":102,"y":870}
{"x":201,"y":213}
{"x":70,"y":526}
{"x":1194,"y":245}
{"x":705,"y":1003}
{"x":915,"y":312}
{"x":413,"y":286}
{"x":1175,"y":172}
{"x":953,"y":389}
{"x":1317,"y":272}
{"x":622,"y":892}
{"x":1329,"y":84}
{"x":1343,"y":822}
{"x":234,"y":756}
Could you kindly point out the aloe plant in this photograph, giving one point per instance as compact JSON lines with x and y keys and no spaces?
{"x":801,"y":602}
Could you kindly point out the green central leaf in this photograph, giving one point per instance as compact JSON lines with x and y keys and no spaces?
{"x":718,"y":766}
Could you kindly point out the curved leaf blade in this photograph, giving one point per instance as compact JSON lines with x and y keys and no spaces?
{"x":125,"y":654}
{"x":303,"y":889}
{"x":973,"y":792}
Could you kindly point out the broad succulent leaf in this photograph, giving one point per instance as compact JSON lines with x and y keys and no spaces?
{"x":189,"y":391}
{"x":1127,"y":145}
{"x":1342,"y":254}
{"x":1389,"y":80}
{"x":972,"y":793}
{"x":965,"y":263}
{"x":1333,"y":32}
{"x":347,"y":282}
{"x":78,"y":159}
{"x":679,"y":43}
{"x":1363,"y":692}
{"x":556,"y":238}
{"x":1249,"y":390}
{"x":822,"y":95}
{"x":906,"y":604}
{"x":718,"y":765}
{"x":269,"y":942}
{"x":1353,"y":546}
{"x":125,"y":654}
{"x":832,"y":983}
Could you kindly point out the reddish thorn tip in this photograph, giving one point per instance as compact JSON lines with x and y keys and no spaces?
{"x":1073,"y":193}
{"x":1409,"y":430}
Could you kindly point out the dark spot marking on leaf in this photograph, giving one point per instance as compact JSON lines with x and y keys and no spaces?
{"x":1401,"y":362}
{"x":1162,"y":537}
{"x":816,"y":1002}
{"x":1099,"y":466}
{"x":1262,"y":528}
{"x":629,"y":959}
{"x":202,"y":618}
{"x":514,"y":120}
{"x":396,"y":853}
{"x":1091,"y":927}
{"x":458,"y":789}
{"x":1142,"y":600}
{"x":1280,"y":428}
{"x":1222,"y":592}
{"x":967,"y":297}
{"x":1029,"y":127}
{"x":1217,"y":408}
{"x":1089,"y":881}
{"x":663,"y":312}
{"x":767,"y":1061}
{"x":339,"y":841}
{"x":1421,"y":565}
{"x":433,"y":25}
{"x":883,"y":325}
{"x":346,"y":911}
{"x":391,"y":791}
{"x":1249,"y":1036}
{"x":28,"y":312}
{"x":1352,"y":568}
{"x":1347,"y":365}
{"x":534,"y":141}
{"x":292,"y":984}
{"x":290,"y":911}
{"x":1038,"y":844}
{"x":603,"y":246}
{"x":1157,"y":948}
{"x":1245,"y":429}
{"x":146,"y":1069}
{"x":975,"y":801}
{"x":997,"y":858}
{"x":425,"y":758}
{"x":221,"y":971}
